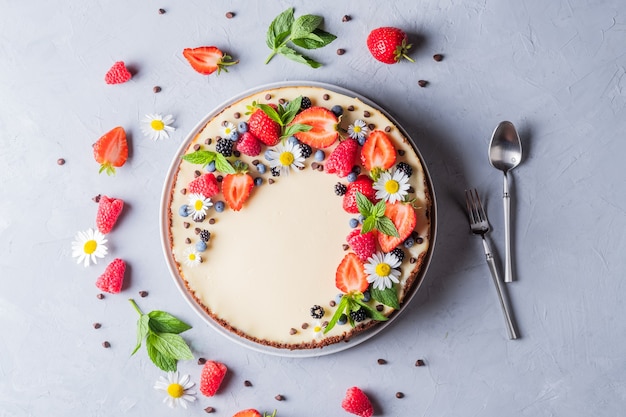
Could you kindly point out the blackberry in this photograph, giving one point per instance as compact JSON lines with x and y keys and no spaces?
{"x":317,"y":312}
{"x":306,"y":103}
{"x":275,"y":172}
{"x":404,"y":167}
{"x":358,"y":315}
{"x":305,"y":150}
{"x":205,"y":235}
{"x":399,"y":254}
{"x":224,"y":146}
{"x":340,"y":189}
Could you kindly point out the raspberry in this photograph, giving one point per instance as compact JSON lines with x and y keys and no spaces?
{"x":356,"y":402}
{"x":211,"y":378}
{"x":363,"y":185}
{"x":404,"y":167}
{"x":341,"y":160}
{"x":109,"y":210}
{"x":248,"y":144}
{"x":113,"y":277}
{"x":364,"y":245}
{"x":205,"y":184}
{"x":118,"y":74}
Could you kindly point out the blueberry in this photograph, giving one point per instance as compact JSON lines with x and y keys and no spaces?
{"x":184,"y":210}
{"x":366,"y":296}
{"x":356,"y":169}
{"x":338,"y":298}
{"x":261,"y":168}
{"x":361,"y":218}
{"x":267,"y":155}
{"x":338,"y":110}
{"x":354,"y":223}
{"x":200,"y":246}
{"x":258,"y":181}
{"x":361,"y":140}
{"x":409,"y":242}
{"x":242,"y":127}
{"x":319,"y":155}
{"x":219,"y":206}
{"x":210,"y":166}
{"x":234,"y":136}
{"x":293,"y":140}
{"x":352,"y":177}
{"x":343,"y":319}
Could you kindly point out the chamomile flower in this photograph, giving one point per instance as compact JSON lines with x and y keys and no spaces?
{"x":156,"y":126}
{"x":381,"y":270}
{"x":229,"y":129}
{"x":392,"y":187}
{"x":317,"y":329}
{"x":192,"y":258}
{"x":284,"y":156}
{"x":198,"y":206}
{"x":358,"y":130}
{"x":88,"y":246}
{"x":178,"y":389}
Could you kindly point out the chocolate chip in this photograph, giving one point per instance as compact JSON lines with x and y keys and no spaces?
{"x":106,"y":344}
{"x":196,"y":147}
{"x":156,"y":89}
{"x":230,"y":15}
{"x":399,"y":395}
{"x":211,"y":220}
{"x":419,"y":240}
{"x":346,"y":18}
{"x":143,"y":294}
{"x":218,"y":138}
{"x":305,"y":326}
{"x":320,"y":167}
{"x":97,"y":325}
{"x":345,"y":247}
{"x":186,"y":225}
{"x":411,"y":189}
{"x":236,"y":153}
{"x":387,"y":129}
{"x":268,"y":96}
{"x":60,"y":161}
{"x":380,"y":307}
{"x":438,"y":57}
{"x":237,"y":115}
{"x":326,"y":97}
{"x":161,"y":11}
{"x":422,"y":83}
{"x":366,"y":114}
{"x":209,"y":410}
{"x":371,"y":126}
{"x":97,"y":198}
{"x":187,"y":241}
{"x":197,"y":173}
{"x":420,"y":362}
{"x":183,"y":191}
{"x":279,"y":398}
{"x":201,"y":361}
{"x":282,"y":101}
{"x":247,"y":383}
{"x":350,"y":107}
{"x":412,"y":260}
{"x":255,"y":162}
{"x":332,"y":303}
{"x":271,"y":181}
{"x":341,"y":51}
{"x":208,"y":141}
{"x":381,"y":361}
{"x":314,"y":165}
{"x":325,"y":323}
{"x":292,"y":331}
{"x":100,"y":296}
{"x":401,"y":152}
{"x":219,"y":178}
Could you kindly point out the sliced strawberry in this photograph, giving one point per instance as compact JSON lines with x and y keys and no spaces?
{"x":350,"y":274}
{"x":324,"y":127}
{"x":111,"y":150}
{"x":251,"y":412}
{"x":404,"y":218}
{"x":363,"y":185}
{"x":236,"y":189}
{"x":205,"y":184}
{"x":342,"y":158}
{"x":364,"y":245}
{"x":264,"y":128}
{"x":208,"y":59}
{"x":378,"y":151}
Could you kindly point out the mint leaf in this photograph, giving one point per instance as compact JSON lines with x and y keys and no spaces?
{"x":170,"y":345}
{"x":304,"y":25}
{"x":340,"y":309}
{"x":290,"y":111}
{"x":294,"y":55}
{"x":163,"y":362}
{"x":317,"y":39}
{"x":162,"y":322}
{"x":222,"y":164}
{"x":364,"y":205}
{"x":386,"y":226}
{"x":372,"y":312}
{"x":388,"y":296}
{"x":142,"y":331}
{"x":298,"y":127}
{"x":269,"y":110}
{"x":199,"y":157}
{"x":369,"y":224}
{"x":279,"y":28}
{"x":379,"y":209}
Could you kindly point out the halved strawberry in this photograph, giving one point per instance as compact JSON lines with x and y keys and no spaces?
{"x":342,"y":158}
{"x":324,"y":127}
{"x":378,"y":151}
{"x":350,"y":274}
{"x":363,"y":185}
{"x":251,"y":412}
{"x":264,"y":128}
{"x":208,"y":59}
{"x":236,"y":189}
{"x":111,"y":150}
{"x":404,"y":218}
{"x":205,"y":184}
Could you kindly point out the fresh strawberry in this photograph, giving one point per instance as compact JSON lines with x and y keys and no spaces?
{"x":211,"y":378}
{"x":350,"y":274}
{"x":324,"y":127}
{"x":109,"y":210}
{"x":113,"y":277}
{"x":236,"y":188}
{"x":404,"y":218}
{"x":363,"y":185}
{"x":264,"y":128}
{"x":342,"y":158}
{"x":388,"y":45}
{"x":378,"y":151}
{"x":364,"y":245}
{"x":253,"y":413}
{"x":205,"y":184}
{"x":356,"y":402}
{"x":118,"y":74}
{"x":111,"y":150}
{"x":248,"y":144}
{"x":208,"y":59}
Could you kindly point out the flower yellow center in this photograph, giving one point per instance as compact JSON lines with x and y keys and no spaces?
{"x":157,"y":125}
{"x":356,"y":129}
{"x":192,"y":256}
{"x":198,"y":205}
{"x":175,"y":390}
{"x":382,"y":270}
{"x":317,"y":329}
{"x":392,"y":186}
{"x":286,"y":158}
{"x":90,"y":246}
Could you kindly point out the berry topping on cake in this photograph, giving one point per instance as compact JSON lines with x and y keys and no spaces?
{"x":305,"y":150}
{"x":208,"y":59}
{"x":398,"y":253}
{"x":237,"y":187}
{"x":263,"y":127}
{"x":211,"y":378}
{"x":248,"y":144}
{"x":111,"y":150}
{"x":404,"y":167}
{"x":112,"y":279}
{"x":340,"y":189}
{"x":317,"y":312}
{"x":364,"y":245}
{"x":251,"y":412}
{"x":388,"y":45}
{"x":356,"y":402}
{"x":323,"y":122}
{"x":205,"y":184}
{"x":350,"y":276}
{"x":224,"y":146}
{"x":358,"y":315}
{"x":342,"y":158}
{"x":306,"y":103}
{"x":378,"y":151}
{"x":117,"y":74}
{"x":109,"y":210}
{"x":363,"y":185}
{"x":403,"y":217}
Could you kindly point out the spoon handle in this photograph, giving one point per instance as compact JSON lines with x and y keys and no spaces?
{"x":506,"y":198}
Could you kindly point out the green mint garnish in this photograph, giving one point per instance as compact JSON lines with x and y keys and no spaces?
{"x":161,"y":332}
{"x":388,"y":296}
{"x":283,"y":115}
{"x":374,"y":216}
{"x":353,"y":302}
{"x":204,"y":158}
{"x":303,"y":32}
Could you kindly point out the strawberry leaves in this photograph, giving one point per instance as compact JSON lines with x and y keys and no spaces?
{"x":375,"y":216}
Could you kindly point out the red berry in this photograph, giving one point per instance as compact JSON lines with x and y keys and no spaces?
{"x":264,"y":128}
{"x":251,"y":412}
{"x":323,"y":124}
{"x":208,"y":59}
{"x":236,"y":189}
{"x":378,"y":151}
{"x":350,"y":275}
{"x":118,"y":74}
{"x":211,"y":378}
{"x":363,"y":185}
{"x":111,"y":150}
{"x":109,"y":210}
{"x":364,"y":245}
{"x":205,"y":184}
{"x":388,"y":44}
{"x":113,"y":277}
{"x":342,"y":158}
{"x":356,"y":402}
{"x":248,"y":144}
{"x":404,"y":218}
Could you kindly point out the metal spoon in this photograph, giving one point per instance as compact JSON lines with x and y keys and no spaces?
{"x":505,"y":153}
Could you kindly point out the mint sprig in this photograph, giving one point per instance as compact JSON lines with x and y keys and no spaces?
{"x":353,"y":302}
{"x":161,"y":332}
{"x":283,"y":115}
{"x":202,"y":157}
{"x":303,"y":32}
{"x":374,"y":216}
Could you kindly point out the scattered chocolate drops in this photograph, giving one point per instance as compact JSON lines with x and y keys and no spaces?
{"x":143,"y":294}
{"x":247,"y":383}
{"x":420,"y":362}
{"x":156,"y":89}
{"x":381,"y":361}
{"x":201,"y":361}
{"x":60,"y":161}
{"x":341,"y":51}
{"x":279,"y":398}
{"x":438,"y":57}
{"x":100,"y":296}
{"x":230,"y":15}
{"x":422,"y":83}
{"x":161,"y":11}
{"x":209,"y":410}
{"x":399,"y":395}
{"x":106,"y":344}
{"x":97,"y":325}
{"x":346,"y":18}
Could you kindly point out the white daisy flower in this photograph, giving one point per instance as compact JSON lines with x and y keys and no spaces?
{"x":358,"y":130}
{"x":192,"y":257}
{"x":157,"y":127}
{"x":390,"y":187}
{"x":88,"y":246}
{"x":228,"y":129}
{"x":284,"y":156}
{"x":198,"y":205}
{"x":317,"y":329}
{"x":381,"y":270}
{"x":177,"y":389}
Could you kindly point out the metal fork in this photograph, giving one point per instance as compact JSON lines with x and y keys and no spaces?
{"x":480,"y":226}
